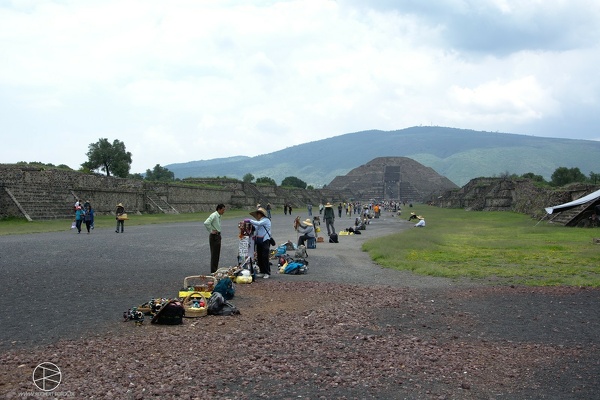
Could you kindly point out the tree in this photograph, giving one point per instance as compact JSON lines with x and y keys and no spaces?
{"x":265,"y":180}
{"x":293,"y":182}
{"x":534,"y":177}
{"x":594,"y":178}
{"x":563,"y":176}
{"x":248,"y":178}
{"x":110,"y":158}
{"x":160,"y":174}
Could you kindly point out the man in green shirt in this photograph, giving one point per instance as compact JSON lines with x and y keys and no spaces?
{"x":213,"y":226}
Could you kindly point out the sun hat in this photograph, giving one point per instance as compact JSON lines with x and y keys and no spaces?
{"x":260,"y":210}
{"x":307,"y":222}
{"x":120,"y":205}
{"x":328,"y":204}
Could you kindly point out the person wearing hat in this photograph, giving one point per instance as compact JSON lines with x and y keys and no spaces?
{"x":120,"y":219}
{"x":306,"y":231}
{"x":329,"y":217}
{"x":412,"y":216}
{"x":421,"y":223}
{"x":262,"y":241}
{"x":213,"y":226}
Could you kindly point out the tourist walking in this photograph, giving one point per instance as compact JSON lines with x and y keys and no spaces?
{"x":79,"y":215}
{"x":121,"y":217}
{"x":88,"y":217}
{"x":329,"y":216}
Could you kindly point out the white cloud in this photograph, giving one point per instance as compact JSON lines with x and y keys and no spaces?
{"x":186,"y":80}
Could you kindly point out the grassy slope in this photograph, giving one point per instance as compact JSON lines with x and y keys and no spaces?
{"x":502,"y":247}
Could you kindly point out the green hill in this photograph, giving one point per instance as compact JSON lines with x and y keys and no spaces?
{"x":458,"y":154}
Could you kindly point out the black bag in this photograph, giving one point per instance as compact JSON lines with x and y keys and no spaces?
{"x":170,"y":314}
{"x":333,"y":238}
{"x":217,"y":305}
{"x":272,"y":242}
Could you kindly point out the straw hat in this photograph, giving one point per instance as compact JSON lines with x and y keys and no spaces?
{"x":261,"y":211}
{"x":328,"y":204}
{"x":120,"y":205}
{"x":420,"y":217}
{"x":307,"y":222}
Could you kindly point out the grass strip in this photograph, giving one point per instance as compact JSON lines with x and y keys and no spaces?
{"x":499,"y":247}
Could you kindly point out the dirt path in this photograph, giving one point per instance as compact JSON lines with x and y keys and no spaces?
{"x":348,"y":329}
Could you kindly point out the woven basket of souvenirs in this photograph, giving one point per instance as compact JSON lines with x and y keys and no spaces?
{"x":198,"y":283}
{"x":230,"y":272}
{"x":195,"y":305}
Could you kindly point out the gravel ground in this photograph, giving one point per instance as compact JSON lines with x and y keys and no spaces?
{"x":347,"y":330}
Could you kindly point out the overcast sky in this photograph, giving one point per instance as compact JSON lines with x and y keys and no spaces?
{"x":179,"y":81}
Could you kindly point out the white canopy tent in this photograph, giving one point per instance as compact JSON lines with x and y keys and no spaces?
{"x":574,"y":203}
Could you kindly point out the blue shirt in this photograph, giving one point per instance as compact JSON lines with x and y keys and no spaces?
{"x":263,"y":228}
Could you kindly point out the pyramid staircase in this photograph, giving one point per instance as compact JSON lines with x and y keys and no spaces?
{"x":570,"y":217}
{"x":161,"y":204}
{"x":42,"y":203}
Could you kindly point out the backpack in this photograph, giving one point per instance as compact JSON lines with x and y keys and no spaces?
{"x":296,"y":268}
{"x":170,"y":314}
{"x":217,"y":305}
{"x":225,"y":288}
{"x":301,"y":252}
{"x":333,"y":238}
{"x":281,"y":250}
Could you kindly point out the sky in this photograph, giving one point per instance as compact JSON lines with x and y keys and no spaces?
{"x":186,"y":80}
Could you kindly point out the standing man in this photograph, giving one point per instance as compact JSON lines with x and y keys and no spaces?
{"x":329,"y":217}
{"x":213,"y":226}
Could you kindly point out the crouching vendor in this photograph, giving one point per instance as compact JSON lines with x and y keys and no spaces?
{"x":306,"y":231}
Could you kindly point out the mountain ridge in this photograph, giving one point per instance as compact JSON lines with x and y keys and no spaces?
{"x":458,"y":154}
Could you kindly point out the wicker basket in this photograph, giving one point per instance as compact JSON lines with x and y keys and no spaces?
{"x":195,"y":305}
{"x":226,"y":272}
{"x":198,"y":283}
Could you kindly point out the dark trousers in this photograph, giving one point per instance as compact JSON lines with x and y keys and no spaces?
{"x":303,"y":238}
{"x":214,"y":241}
{"x":329,"y":224}
{"x":78,"y":225}
{"x":262,"y":256}
{"x":120,"y":224}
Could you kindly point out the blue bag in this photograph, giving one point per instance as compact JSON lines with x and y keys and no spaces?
{"x":225,"y":287}
{"x":295,"y":268}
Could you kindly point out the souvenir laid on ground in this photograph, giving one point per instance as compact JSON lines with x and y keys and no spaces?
{"x":133,"y":314}
{"x":152,"y":306}
{"x":244,"y":277}
{"x":292,"y":266}
{"x":229,"y":272}
{"x":198,"y":283}
{"x":171,"y":313}
{"x":195,"y":305}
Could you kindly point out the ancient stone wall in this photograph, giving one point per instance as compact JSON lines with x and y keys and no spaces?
{"x":44,"y":193}
{"x":502,"y":194}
